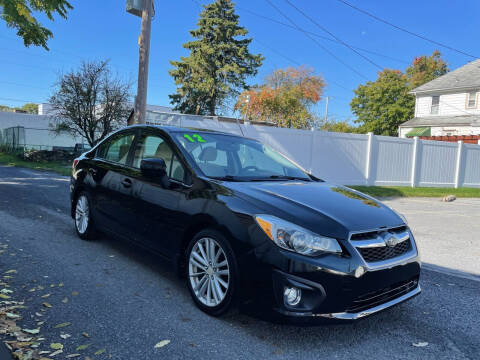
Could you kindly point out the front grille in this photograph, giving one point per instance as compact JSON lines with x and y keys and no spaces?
{"x":372,"y":234}
{"x":375,"y":298}
{"x":372,"y":245}
{"x":385,"y":252}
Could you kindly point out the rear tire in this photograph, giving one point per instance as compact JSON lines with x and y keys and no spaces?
{"x":84,"y":225}
{"x":212,"y":272}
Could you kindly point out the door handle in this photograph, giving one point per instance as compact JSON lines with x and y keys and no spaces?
{"x":127,"y":183}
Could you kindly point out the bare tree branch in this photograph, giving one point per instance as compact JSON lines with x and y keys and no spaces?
{"x":90,"y":102}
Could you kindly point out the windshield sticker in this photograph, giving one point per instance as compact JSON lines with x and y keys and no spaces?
{"x":194,"y":138}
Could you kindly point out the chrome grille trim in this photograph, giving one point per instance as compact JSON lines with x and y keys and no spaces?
{"x":368,"y":239}
{"x":378,"y":241}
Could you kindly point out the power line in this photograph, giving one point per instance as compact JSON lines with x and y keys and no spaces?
{"x":405,"y":30}
{"x":278,"y":52}
{"x":296,"y":62}
{"x":316,"y":42}
{"x":319,"y":36}
{"x":72,"y":55}
{"x":24,"y":85}
{"x":30,"y":66}
{"x":20,"y":100}
{"x":334,"y":36}
{"x":342,"y":99}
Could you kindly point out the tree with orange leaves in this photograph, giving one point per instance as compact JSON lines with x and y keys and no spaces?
{"x":286,"y":98}
{"x":426,"y":68}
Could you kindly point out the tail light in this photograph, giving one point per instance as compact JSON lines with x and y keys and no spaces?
{"x":75,"y":162}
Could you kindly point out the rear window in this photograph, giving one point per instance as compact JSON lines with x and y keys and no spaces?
{"x":116,"y":150}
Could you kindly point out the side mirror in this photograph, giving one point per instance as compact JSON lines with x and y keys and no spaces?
{"x":155,"y":168}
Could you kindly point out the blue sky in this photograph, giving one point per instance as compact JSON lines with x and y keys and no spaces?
{"x":103,"y":30}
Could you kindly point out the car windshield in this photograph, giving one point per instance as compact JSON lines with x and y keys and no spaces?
{"x":234,"y":158}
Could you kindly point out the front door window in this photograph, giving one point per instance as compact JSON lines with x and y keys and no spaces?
{"x":153,"y":146}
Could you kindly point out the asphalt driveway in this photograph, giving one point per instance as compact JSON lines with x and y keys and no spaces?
{"x":121,"y":301}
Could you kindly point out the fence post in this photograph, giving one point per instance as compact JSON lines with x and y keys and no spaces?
{"x":312,"y":142}
{"x":413,"y":178}
{"x":368,"y":162}
{"x":458,"y":168}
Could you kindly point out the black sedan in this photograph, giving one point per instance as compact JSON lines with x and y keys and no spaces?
{"x":244,"y":225}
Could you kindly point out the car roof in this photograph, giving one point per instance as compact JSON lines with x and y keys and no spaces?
{"x":173,"y":129}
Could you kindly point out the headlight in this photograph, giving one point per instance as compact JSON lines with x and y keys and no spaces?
{"x":295,"y":238}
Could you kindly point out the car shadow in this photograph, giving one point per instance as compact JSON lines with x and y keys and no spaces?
{"x":244,"y":319}
{"x":406,"y":322}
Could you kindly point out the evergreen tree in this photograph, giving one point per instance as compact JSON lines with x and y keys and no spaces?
{"x":218,"y":64}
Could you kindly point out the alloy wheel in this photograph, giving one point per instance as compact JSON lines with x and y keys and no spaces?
{"x":209,"y":272}
{"x":82,"y":214}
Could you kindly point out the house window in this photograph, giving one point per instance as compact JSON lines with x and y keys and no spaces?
{"x":472,"y":100}
{"x":435,"y":104}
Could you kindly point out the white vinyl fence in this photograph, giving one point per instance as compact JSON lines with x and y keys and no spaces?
{"x":355,"y":159}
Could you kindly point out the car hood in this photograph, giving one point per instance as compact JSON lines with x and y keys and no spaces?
{"x":329,"y":209}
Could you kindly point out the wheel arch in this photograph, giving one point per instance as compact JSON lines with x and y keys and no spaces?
{"x":196,"y":224}
{"x":78,"y":189}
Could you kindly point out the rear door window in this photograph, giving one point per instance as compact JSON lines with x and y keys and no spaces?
{"x":117,"y":149}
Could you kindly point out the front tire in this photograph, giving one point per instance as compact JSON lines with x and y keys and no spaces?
{"x":83,"y":217}
{"x":211,"y":272}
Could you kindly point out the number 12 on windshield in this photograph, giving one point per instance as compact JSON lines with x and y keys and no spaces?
{"x":194,"y":138}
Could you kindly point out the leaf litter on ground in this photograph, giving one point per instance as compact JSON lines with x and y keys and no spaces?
{"x":62,"y":325}
{"x":420,"y":344}
{"x":161,"y":344}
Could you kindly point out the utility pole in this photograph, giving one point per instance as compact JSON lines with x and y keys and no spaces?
{"x":143,"y":59}
{"x":326,"y":108}
{"x":247,"y":101}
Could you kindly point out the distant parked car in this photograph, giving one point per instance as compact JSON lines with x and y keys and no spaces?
{"x":244,"y":225}
{"x":62,"y":148}
{"x":80,"y":148}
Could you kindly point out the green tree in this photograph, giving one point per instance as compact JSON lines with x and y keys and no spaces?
{"x":18,"y":15}
{"x":90,"y":102}
{"x":286,"y":98}
{"x":382,"y":105}
{"x":338,"y":126}
{"x":5,"y":108}
{"x":218,"y":64}
{"x":30,"y":108}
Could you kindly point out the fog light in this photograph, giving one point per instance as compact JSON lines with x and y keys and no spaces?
{"x":292,"y":296}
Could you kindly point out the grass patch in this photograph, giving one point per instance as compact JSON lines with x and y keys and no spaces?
{"x":405,"y":191}
{"x":14,"y":160}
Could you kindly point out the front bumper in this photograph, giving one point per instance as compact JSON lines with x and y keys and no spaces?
{"x":334,"y":288}
{"x":356,"y":305}
{"x":373,"y":310}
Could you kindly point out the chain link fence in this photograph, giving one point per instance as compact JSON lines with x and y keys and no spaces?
{"x":40,"y":144}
